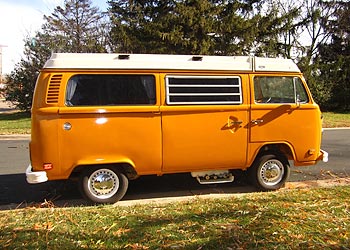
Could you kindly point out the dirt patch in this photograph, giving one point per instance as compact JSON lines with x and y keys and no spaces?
{"x":318,"y":183}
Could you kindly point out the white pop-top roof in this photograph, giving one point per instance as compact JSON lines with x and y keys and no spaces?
{"x":168,"y":62}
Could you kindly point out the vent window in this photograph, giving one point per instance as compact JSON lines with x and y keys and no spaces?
{"x":54,"y":89}
{"x":203,"y":90}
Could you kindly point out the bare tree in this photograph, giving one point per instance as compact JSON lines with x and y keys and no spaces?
{"x":316,"y":12}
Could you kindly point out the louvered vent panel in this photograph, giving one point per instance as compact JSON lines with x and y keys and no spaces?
{"x":54,"y":89}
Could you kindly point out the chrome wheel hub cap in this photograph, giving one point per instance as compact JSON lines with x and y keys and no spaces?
{"x":103,"y":183}
{"x":272,"y":172}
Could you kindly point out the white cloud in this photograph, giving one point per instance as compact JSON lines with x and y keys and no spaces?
{"x":21,"y":18}
{"x":53,"y":3}
{"x":16,"y":22}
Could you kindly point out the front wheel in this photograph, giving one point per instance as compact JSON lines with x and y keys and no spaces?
{"x":269,"y":172}
{"x":103,"y":185}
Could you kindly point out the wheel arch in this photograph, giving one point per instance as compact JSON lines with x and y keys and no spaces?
{"x":124,"y":167}
{"x":282,"y":149}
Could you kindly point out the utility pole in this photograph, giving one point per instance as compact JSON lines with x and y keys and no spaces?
{"x":1,"y":46}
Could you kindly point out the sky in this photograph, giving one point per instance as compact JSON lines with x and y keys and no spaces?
{"x":21,"y":18}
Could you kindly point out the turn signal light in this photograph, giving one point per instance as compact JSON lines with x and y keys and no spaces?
{"x":48,"y":166}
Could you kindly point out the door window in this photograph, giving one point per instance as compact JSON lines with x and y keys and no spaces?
{"x":279,"y":89}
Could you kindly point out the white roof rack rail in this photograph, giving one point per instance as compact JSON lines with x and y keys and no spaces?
{"x":168,"y":62}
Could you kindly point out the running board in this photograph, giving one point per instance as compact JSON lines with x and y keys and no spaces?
{"x":213,"y":177}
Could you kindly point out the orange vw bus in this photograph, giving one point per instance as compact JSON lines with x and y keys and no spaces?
{"x":105,"y":119}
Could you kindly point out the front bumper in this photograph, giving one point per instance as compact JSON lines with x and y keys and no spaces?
{"x":35,"y":177}
{"x":323,"y":156}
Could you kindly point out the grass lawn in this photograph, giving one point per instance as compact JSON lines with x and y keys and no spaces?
{"x":334,"y":120}
{"x":19,"y":123}
{"x":14,"y":123}
{"x":317,"y":218}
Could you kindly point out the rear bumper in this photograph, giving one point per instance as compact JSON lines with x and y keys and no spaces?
{"x":35,"y":177}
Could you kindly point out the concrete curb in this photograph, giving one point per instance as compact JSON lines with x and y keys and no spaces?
{"x":15,"y":137}
{"x":340,"y":128}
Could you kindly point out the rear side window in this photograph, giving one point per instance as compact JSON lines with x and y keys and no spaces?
{"x":203,"y":90}
{"x":279,"y":89}
{"x":97,"y":90}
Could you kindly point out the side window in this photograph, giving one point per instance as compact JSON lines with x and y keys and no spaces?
{"x":97,"y":90}
{"x":279,"y":89}
{"x":203,"y":90}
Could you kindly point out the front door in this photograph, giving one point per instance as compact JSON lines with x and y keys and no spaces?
{"x":204,"y":123}
{"x":282,"y":111}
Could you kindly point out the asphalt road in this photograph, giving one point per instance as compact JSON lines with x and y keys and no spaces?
{"x":15,"y":192}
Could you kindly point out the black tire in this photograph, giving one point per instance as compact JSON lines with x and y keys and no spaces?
{"x":103,"y":185}
{"x":269,"y":172}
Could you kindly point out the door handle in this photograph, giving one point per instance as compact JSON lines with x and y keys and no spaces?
{"x":257,"y":121}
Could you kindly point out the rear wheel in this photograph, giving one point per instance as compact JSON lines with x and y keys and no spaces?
{"x":269,"y":172}
{"x":103,"y":185}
